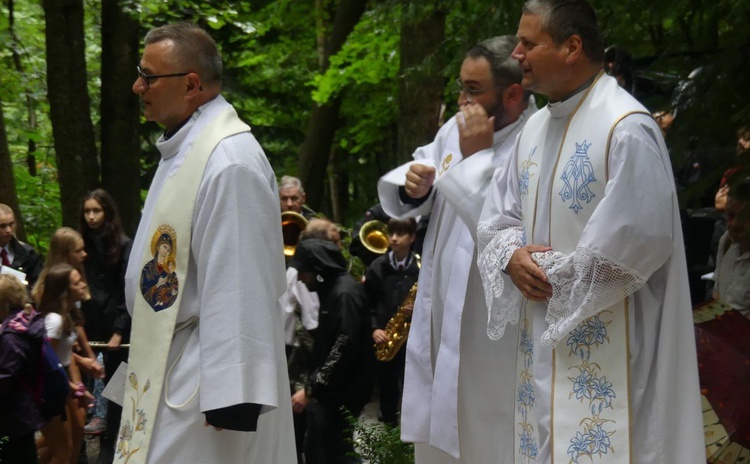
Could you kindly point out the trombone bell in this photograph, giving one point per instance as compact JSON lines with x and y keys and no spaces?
{"x":292,"y":225}
{"x":374,"y":236}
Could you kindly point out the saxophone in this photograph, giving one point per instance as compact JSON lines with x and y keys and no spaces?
{"x":397,"y":329}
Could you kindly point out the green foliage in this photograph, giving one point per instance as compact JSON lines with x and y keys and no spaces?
{"x":369,"y":56}
{"x":380,"y":443}
{"x":272,"y":76}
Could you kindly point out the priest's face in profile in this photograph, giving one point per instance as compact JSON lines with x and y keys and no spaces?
{"x":542,"y":60}
{"x":478,"y":87}
{"x":164,"y":97}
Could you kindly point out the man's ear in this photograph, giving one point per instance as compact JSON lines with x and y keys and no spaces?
{"x":573,"y":47}
{"x":514,"y":94}
{"x":194,"y":84}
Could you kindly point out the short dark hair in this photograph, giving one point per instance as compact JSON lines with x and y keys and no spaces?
{"x":498,"y":52}
{"x":402,"y":226}
{"x":564,"y":18}
{"x":193,"y":48}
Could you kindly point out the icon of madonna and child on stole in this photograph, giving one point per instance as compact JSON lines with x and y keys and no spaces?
{"x":159,"y":284}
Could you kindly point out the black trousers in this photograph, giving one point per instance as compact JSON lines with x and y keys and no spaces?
{"x":390,"y":385}
{"x":329,"y":436}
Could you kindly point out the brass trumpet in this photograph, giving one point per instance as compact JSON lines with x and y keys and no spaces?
{"x":292,"y":225}
{"x":374,"y":236}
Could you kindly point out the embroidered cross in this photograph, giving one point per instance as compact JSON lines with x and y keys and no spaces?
{"x":577,"y":174}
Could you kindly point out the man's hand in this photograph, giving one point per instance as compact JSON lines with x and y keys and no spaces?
{"x":114,"y":342}
{"x":206,"y":424}
{"x":475,"y":129}
{"x":419,"y":180}
{"x":527,"y":275}
{"x":299,"y":401}
{"x":379,"y":336}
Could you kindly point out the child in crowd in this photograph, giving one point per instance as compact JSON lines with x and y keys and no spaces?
{"x":387,"y":282}
{"x":106,"y":316}
{"x":21,"y":339}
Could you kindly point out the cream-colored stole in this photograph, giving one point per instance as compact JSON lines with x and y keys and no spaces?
{"x":590,"y":415}
{"x":164,"y":270}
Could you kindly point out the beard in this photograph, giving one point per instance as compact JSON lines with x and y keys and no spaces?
{"x":498,"y":111}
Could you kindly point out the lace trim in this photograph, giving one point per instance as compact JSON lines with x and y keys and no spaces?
{"x":583,"y":284}
{"x":496,"y":246}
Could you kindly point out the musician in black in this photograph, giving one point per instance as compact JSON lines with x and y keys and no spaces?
{"x":387,"y":282}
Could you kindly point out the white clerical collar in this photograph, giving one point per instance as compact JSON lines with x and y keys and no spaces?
{"x":564,"y":107}
{"x":171,"y":146}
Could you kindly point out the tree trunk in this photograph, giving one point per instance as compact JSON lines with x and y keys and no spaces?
{"x":316,"y":148}
{"x":420,"y":87}
{"x":8,"y":194}
{"x":120,"y":110}
{"x":75,"y":148}
{"x":30,"y":100}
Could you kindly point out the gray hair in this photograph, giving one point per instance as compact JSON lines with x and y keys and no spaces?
{"x":193,"y":48}
{"x":564,"y":18}
{"x":498,"y":52}
{"x":5,"y":209}
{"x":291,"y":182}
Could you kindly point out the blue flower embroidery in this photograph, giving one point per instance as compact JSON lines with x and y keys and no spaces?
{"x":528,"y":446}
{"x":577,"y":174}
{"x":525,"y":174}
{"x":590,"y":385}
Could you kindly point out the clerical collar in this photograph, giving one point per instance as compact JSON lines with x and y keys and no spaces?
{"x":579,"y":89}
{"x":169,"y":133}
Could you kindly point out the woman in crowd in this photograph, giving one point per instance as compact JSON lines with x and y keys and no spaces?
{"x":106,"y":315}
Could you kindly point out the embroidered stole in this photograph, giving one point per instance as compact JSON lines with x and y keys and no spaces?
{"x":157,"y":305}
{"x":589,"y":398}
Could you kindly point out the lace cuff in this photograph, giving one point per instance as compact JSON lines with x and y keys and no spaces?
{"x":496,"y":246}
{"x":583,"y":284}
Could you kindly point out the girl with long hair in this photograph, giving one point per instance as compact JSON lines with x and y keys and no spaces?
{"x":62,"y":289}
{"x":67,"y":247}
{"x":107,"y":318}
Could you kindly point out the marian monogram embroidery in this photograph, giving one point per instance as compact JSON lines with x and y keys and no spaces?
{"x":524,"y":176}
{"x":577,"y":175}
{"x":591,"y":386}
{"x":159,"y":284}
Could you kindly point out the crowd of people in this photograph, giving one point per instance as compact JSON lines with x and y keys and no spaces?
{"x":546,"y":301}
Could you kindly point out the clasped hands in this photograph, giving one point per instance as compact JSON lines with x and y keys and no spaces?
{"x":475,"y":131}
{"x":527,"y":276}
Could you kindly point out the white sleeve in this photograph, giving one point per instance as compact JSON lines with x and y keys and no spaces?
{"x":240,"y":273}
{"x":499,"y":234}
{"x":465,"y":186}
{"x":388,"y":185}
{"x":53,"y":322}
{"x":628,"y":237}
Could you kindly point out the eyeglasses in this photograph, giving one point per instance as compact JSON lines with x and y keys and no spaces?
{"x":472,"y":93}
{"x":148,"y":79}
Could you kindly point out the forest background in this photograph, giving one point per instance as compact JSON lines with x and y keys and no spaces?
{"x":337,"y":92}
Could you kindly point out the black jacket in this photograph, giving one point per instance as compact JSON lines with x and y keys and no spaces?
{"x":26,"y":260}
{"x":387,"y":288}
{"x":105,"y":313}
{"x":342,"y":351}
